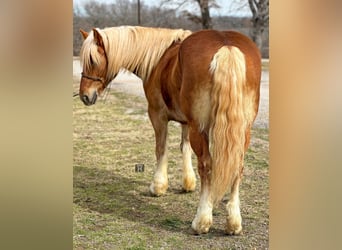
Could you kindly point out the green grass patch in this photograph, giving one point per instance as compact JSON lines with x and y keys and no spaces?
{"x":172,"y":223}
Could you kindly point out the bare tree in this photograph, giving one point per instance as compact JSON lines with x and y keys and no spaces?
{"x":204,"y":6}
{"x":260,"y":17}
{"x":139,"y":11}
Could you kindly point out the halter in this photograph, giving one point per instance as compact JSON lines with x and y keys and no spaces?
{"x":96,"y":79}
{"x":93,"y":78}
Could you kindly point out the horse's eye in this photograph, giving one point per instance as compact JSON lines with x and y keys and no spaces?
{"x":91,"y":60}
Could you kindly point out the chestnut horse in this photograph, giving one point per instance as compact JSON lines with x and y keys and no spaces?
{"x":209,"y":81}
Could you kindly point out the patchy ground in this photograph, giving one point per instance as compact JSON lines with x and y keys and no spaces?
{"x":112,"y":207}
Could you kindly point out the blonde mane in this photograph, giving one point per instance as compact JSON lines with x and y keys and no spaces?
{"x":136,"y":49}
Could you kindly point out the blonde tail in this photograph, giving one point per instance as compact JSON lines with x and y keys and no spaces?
{"x":228,"y":119}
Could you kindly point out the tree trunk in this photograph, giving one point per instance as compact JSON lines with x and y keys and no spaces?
{"x":260,"y":16}
{"x":256,"y":34}
{"x":206,"y":19}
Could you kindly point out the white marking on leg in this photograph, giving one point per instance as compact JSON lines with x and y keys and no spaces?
{"x":160,"y":181}
{"x":234,"y":219}
{"x":189,"y":177}
{"x":204,"y":218}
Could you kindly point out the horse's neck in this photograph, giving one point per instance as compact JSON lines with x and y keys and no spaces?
{"x":142,"y":63}
{"x":144,"y":54}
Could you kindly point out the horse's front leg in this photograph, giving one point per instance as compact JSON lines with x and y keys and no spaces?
{"x":160,"y":180}
{"x":189,"y":177}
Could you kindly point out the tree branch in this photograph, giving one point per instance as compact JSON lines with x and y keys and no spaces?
{"x":252,"y":7}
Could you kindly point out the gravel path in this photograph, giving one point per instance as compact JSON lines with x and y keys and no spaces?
{"x":129,"y":83}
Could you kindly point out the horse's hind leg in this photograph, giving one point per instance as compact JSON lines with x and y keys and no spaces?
{"x":200,"y":144}
{"x":189,"y":177}
{"x":233,"y":226}
{"x":234,"y":220}
{"x":160,"y":180}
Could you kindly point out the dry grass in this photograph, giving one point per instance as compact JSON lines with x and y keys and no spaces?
{"x":112,"y":206}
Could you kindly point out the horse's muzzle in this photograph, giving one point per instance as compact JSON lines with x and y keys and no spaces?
{"x":89,"y":100}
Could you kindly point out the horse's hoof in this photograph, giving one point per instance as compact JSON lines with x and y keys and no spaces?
{"x":189,"y":184}
{"x":233,"y":227}
{"x":202,"y":225}
{"x":231,"y":231}
{"x":158,"y":189}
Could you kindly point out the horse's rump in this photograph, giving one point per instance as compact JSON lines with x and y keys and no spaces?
{"x":220,"y":94}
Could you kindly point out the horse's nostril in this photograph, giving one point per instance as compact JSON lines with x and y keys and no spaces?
{"x":85,"y":100}
{"x":89,"y":100}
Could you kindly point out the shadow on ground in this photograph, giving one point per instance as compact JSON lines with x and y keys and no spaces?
{"x":105,"y":192}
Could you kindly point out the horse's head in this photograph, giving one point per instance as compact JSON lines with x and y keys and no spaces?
{"x":94,"y":59}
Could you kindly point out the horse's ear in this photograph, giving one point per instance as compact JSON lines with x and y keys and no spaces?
{"x":84,"y":34}
{"x":98,"y":38}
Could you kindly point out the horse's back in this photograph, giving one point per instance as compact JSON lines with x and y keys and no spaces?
{"x":211,"y":40}
{"x":197,"y":51}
